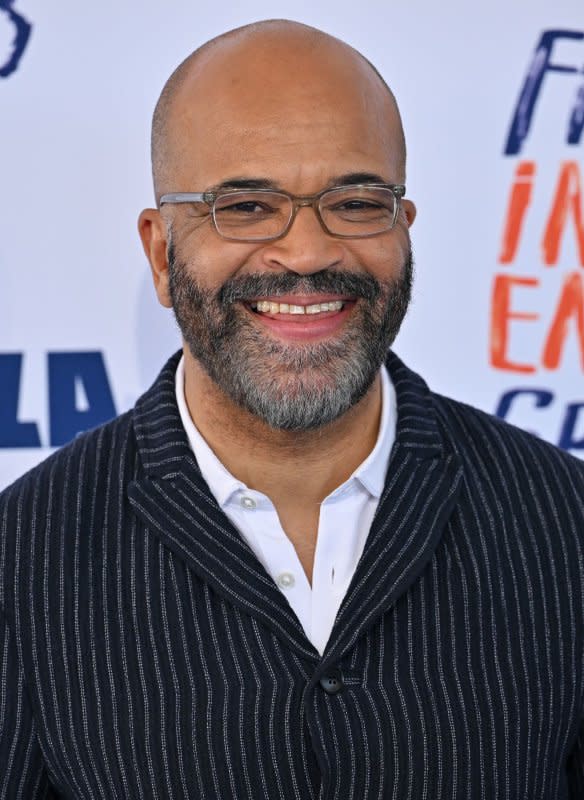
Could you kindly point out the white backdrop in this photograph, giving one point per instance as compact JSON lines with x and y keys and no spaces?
{"x":492,"y":323}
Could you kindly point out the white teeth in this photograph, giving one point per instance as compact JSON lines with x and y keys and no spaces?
{"x":270,"y":307}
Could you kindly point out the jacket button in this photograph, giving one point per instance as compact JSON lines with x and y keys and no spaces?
{"x":332,"y":683}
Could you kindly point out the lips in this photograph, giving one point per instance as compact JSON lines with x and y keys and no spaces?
{"x":301,"y":318}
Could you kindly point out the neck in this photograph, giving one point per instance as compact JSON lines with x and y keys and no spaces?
{"x":306,"y":465}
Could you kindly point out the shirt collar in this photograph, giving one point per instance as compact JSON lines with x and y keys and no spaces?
{"x":221,"y":482}
{"x":370,"y":474}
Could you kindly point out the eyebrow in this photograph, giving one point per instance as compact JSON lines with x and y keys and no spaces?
{"x":346,"y":179}
{"x":349,"y":178}
{"x":243,"y":183}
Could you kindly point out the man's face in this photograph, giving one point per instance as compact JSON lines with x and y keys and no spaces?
{"x":300,"y":131}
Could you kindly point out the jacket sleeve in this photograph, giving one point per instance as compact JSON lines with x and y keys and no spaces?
{"x":576,"y":767}
{"x":23,"y":775}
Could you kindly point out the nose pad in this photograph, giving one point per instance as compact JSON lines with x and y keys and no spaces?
{"x":306,"y":246}
{"x":302,"y":204}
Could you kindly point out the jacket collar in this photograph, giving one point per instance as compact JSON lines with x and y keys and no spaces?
{"x":163,"y":444}
{"x":420,"y":493}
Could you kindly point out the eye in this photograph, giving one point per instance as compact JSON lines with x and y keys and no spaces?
{"x":245,"y":207}
{"x":357,"y":205}
{"x":358,"y":209}
{"x":251,"y":207}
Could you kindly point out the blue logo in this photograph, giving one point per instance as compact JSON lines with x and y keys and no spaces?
{"x":79,"y":398}
{"x":540,"y":67}
{"x":22,"y":30}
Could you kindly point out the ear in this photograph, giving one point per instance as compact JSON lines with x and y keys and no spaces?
{"x":152,"y":230}
{"x":409,"y":210}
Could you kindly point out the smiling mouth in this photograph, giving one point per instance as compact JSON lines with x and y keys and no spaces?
{"x":273,"y":308}
{"x":301,"y":319}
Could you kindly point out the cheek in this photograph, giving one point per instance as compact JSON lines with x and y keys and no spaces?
{"x":383,"y":259}
{"x":211,"y":260}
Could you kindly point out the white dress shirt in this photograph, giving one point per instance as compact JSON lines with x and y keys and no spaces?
{"x":344,"y":521}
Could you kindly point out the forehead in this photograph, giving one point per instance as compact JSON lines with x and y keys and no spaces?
{"x":283,"y":107}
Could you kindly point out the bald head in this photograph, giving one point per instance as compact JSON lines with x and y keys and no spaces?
{"x":274,"y":63}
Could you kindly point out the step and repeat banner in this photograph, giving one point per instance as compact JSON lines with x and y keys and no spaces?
{"x":493,"y":106}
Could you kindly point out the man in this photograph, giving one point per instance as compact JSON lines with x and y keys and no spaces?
{"x":291,"y":571}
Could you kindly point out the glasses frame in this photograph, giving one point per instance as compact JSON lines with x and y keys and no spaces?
{"x":298,"y":201}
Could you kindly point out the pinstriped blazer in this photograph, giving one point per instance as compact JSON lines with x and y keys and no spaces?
{"x":145,"y":653}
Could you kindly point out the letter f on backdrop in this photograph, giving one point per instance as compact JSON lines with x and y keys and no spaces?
{"x":530,"y":91}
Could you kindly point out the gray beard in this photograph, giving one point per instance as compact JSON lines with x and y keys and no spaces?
{"x":296,"y":386}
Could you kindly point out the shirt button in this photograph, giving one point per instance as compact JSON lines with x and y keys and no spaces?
{"x":286,"y":580}
{"x":332,"y":683}
{"x":248,"y":502}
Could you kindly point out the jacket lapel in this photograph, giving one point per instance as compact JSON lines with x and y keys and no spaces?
{"x":174,"y":502}
{"x":422,"y":485}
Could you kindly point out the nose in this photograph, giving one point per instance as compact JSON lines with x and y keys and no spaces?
{"x":306,"y":247}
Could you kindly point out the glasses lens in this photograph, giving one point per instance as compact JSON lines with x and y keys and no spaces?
{"x":358,"y":210}
{"x":252,"y":216}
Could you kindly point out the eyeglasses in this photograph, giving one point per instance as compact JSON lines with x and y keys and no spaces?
{"x":263,"y":215}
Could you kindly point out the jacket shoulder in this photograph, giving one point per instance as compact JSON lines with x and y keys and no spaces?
{"x":82,"y":465}
{"x":487,"y":442}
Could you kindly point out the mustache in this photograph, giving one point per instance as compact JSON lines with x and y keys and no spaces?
{"x":325,"y":281}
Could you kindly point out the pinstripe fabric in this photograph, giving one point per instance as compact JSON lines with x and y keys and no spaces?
{"x":144,"y":652}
